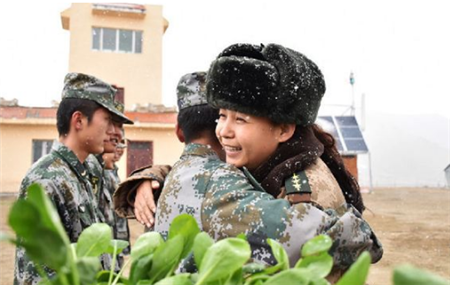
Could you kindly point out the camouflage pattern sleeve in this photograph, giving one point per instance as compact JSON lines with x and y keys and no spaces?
{"x":233,"y":206}
{"x":25,"y":271}
{"x":125,"y":194}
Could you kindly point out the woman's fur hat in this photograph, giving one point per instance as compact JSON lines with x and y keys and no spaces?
{"x":267,"y":81}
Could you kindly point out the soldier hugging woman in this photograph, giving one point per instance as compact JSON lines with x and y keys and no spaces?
{"x":283,"y":177}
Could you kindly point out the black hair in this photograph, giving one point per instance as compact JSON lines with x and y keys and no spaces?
{"x":198,"y":121}
{"x":69,"y":106}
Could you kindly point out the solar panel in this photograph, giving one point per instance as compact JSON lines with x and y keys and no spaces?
{"x":346,"y":131}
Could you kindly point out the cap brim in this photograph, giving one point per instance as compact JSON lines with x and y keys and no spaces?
{"x":119,"y":116}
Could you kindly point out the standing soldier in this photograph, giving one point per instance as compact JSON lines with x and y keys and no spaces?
{"x":105,"y":184}
{"x":84,"y":123}
{"x":112,"y":180}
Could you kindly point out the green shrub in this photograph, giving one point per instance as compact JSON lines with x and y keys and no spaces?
{"x":154,"y":261}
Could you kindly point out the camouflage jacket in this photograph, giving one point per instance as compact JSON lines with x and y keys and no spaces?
{"x":67,"y":183}
{"x":225,"y":203}
{"x":105,"y":183}
{"x":125,"y":195}
{"x":121,"y":229}
{"x":96,"y":167}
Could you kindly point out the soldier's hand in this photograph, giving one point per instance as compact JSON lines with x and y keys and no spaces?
{"x":144,"y":204}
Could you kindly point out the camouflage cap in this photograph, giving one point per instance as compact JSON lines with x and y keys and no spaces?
{"x":191,"y":90}
{"x":121,"y":108}
{"x":83,"y":86}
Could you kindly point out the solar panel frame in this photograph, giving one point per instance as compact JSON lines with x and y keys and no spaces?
{"x":347,"y":133}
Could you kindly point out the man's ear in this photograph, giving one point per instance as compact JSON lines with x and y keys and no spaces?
{"x":179,"y":133}
{"x":286,"y":132}
{"x":76,"y":121}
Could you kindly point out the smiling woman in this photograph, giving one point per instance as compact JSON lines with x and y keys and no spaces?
{"x":249,"y":140}
{"x":269,"y":97}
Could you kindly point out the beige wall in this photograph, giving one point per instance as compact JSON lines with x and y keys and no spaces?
{"x":143,"y":77}
{"x":16,"y":146}
{"x":16,"y":149}
{"x":139,"y":74}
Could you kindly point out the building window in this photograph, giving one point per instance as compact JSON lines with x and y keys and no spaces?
{"x":41,"y":148}
{"x":116,"y":40}
{"x":139,"y":154}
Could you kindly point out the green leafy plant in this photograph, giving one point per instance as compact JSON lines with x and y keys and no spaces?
{"x":155,"y":261}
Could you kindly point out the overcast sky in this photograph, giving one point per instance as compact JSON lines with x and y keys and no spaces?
{"x":398,"y":50}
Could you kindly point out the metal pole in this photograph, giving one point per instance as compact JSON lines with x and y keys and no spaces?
{"x":352,"y":82}
{"x":363,"y":112}
{"x":370,"y":174}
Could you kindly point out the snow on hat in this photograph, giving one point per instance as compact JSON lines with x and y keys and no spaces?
{"x":268,"y":81}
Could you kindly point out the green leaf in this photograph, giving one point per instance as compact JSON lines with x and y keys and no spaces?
{"x":279,"y":253}
{"x":94,"y":240}
{"x":194,"y":277}
{"x":257,"y":278}
{"x":102,"y":277}
{"x":295,"y":276}
{"x":49,"y":215}
{"x":236,"y":278}
{"x":357,"y":273}
{"x":272,"y":269}
{"x":46,"y":248}
{"x":58,"y":279}
{"x":223,"y":259}
{"x":120,"y":244}
{"x":242,"y":236}
{"x":140,"y":269}
{"x":166,"y":258}
{"x":146,"y":244}
{"x":88,"y":268}
{"x":39,"y":229}
{"x":319,"y":265}
{"x":410,"y":275}
{"x":201,"y":243}
{"x":252,"y":268}
{"x":317,"y":245}
{"x":37,"y":239}
{"x":319,"y":281}
{"x":24,"y":218}
{"x":186,"y":226}
{"x":179,"y":279}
